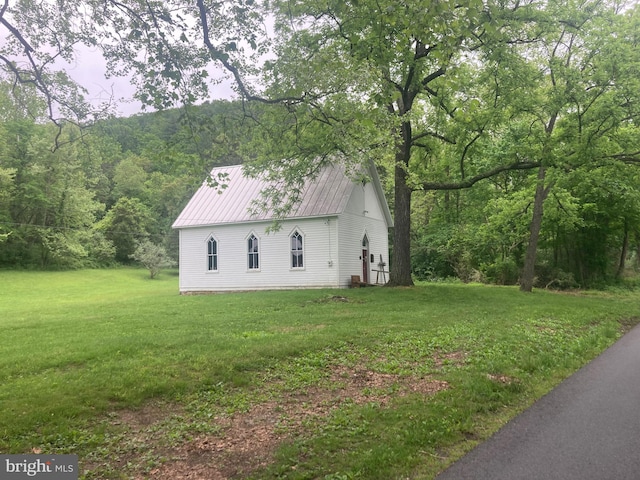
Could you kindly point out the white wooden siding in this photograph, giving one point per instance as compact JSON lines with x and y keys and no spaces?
{"x":352,"y":229}
{"x":363,"y":215}
{"x":275,"y":272}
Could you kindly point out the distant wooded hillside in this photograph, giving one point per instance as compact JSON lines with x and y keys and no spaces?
{"x":90,"y":201}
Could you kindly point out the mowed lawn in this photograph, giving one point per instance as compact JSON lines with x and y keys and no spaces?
{"x":79,"y":349}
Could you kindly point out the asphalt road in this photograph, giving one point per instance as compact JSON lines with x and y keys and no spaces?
{"x":587,"y":428}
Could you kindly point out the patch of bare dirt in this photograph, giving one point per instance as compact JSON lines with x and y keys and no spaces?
{"x":628,"y":323}
{"x":248,"y":440}
{"x":334,"y":299}
{"x":138,"y":420}
{"x":246,"y":444}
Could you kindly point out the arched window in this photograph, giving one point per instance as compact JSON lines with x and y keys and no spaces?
{"x":253,"y":253}
{"x":297,"y":250}
{"x":212,"y":255}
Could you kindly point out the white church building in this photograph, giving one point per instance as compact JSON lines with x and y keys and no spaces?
{"x":336,"y":235}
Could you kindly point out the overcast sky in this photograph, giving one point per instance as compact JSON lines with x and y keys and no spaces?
{"x":89,"y":70}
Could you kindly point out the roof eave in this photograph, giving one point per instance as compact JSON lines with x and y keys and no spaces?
{"x":263,"y":220}
{"x":377,"y":185}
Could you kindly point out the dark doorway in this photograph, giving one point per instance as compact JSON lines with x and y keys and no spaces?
{"x":365,"y":260}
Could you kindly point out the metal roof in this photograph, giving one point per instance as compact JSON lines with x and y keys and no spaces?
{"x":325,"y":195}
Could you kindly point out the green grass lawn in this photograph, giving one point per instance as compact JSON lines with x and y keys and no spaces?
{"x":79,"y":349}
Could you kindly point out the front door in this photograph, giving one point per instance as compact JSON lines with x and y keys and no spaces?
{"x":365,"y":260}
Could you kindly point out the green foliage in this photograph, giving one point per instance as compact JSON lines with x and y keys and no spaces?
{"x":7,"y":182}
{"x":432,"y":92}
{"x":174,"y":70}
{"x":125,"y":225}
{"x":101,"y":251}
{"x":46,"y":201}
{"x":501,"y":272}
{"x":554,"y":278}
{"x":70,"y":207}
{"x":129,"y":178}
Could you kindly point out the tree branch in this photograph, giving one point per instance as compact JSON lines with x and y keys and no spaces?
{"x":630,"y":158}
{"x":471,"y":181}
{"x":422,"y":135}
{"x":223,"y":58}
{"x":432,"y":76}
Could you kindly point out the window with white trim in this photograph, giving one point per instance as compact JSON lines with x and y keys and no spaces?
{"x":212,"y":255}
{"x":253,"y":253}
{"x":297,"y":250}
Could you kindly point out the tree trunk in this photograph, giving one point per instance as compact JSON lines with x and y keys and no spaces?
{"x":528,"y":271}
{"x":623,"y":254}
{"x":400,"y":273}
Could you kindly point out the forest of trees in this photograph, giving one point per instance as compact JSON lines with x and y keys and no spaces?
{"x":506,"y":131}
{"x":104,"y":190}
{"x":90,"y":201}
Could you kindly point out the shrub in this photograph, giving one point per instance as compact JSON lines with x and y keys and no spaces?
{"x":501,"y":272}
{"x":153,"y":257}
